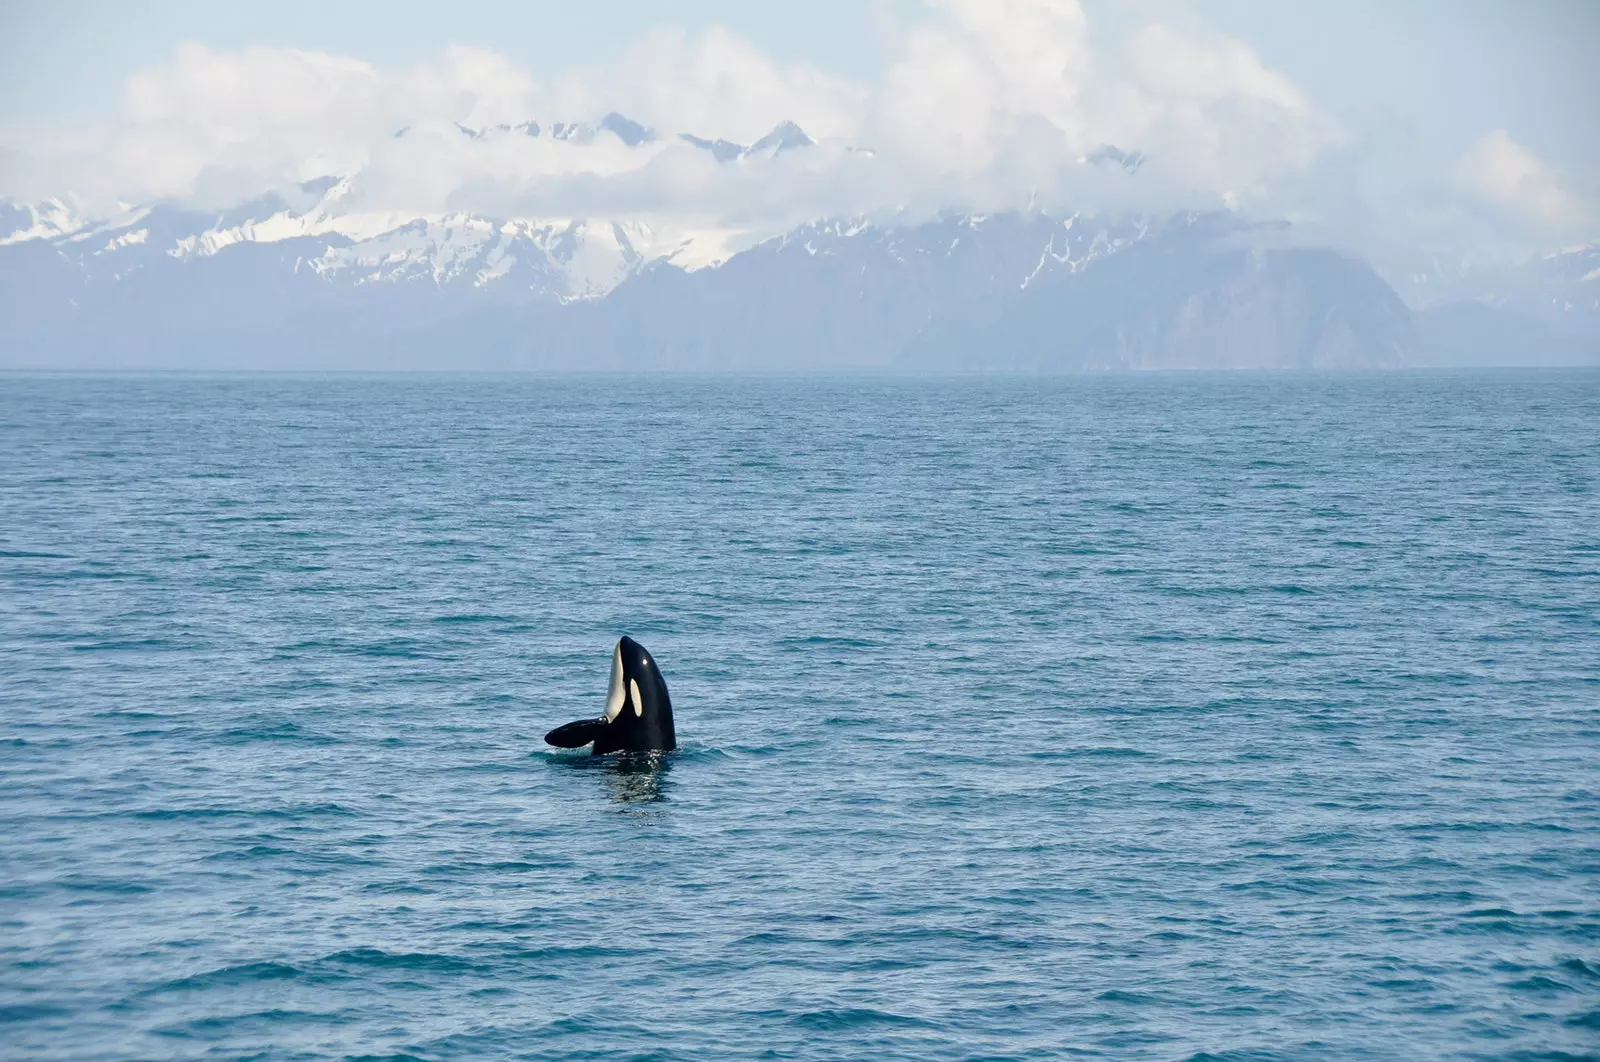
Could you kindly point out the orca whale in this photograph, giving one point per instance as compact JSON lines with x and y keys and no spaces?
{"x":638,"y":715}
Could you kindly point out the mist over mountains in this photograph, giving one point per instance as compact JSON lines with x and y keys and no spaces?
{"x":314,"y":277}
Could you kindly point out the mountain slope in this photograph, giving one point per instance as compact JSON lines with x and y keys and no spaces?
{"x":1194,"y":299}
{"x":1560,"y":291}
{"x":1477,"y":334}
{"x":1005,"y":292}
{"x":302,"y":281}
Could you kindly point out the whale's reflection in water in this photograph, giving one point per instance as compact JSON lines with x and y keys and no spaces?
{"x":630,"y":777}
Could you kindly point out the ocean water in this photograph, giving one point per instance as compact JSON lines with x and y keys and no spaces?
{"x":1124,"y":717}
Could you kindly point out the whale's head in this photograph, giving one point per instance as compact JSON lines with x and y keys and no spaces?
{"x":638,"y":711}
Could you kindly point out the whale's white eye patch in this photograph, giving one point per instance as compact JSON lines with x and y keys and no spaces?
{"x":615,"y":694}
{"x":638,"y":705}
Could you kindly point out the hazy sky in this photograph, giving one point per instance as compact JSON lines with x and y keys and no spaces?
{"x":1412,"y":113}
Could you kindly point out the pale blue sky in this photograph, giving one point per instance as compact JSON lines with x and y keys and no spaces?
{"x":1450,"y":68}
{"x":78,"y":53}
{"x":1453,"y":67}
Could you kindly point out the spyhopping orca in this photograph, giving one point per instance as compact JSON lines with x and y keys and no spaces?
{"x":638,"y":715}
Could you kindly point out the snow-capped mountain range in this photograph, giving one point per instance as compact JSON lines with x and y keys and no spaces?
{"x":314,"y":275}
{"x":563,"y":258}
{"x":550,"y":257}
{"x":1561,"y":288}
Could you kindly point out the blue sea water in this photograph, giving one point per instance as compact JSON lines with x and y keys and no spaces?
{"x":1125,"y":717}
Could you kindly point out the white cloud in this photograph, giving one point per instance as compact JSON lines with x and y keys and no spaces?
{"x":985,"y":104}
{"x":1209,"y":105}
{"x":965,"y":80}
{"x":718,"y":85}
{"x":1011,"y":94}
{"x":211,"y":126}
{"x":259,"y":115}
{"x":1505,"y":174}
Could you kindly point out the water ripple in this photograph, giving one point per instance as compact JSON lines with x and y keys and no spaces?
{"x":1168,"y":717}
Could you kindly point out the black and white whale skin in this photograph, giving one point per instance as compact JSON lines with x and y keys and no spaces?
{"x":638,"y":715}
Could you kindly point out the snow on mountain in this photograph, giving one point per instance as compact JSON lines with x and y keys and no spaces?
{"x":785,"y":137}
{"x":627,"y":130}
{"x":317,"y":275}
{"x":581,"y":259}
{"x":51,"y":219}
{"x":1573,"y":282}
{"x":631,"y":133}
{"x":1560,"y":290}
{"x":1111,"y":155}
{"x":565,"y":258}
{"x":1004,"y":291}
{"x":560,"y":258}
{"x":1010,"y":250}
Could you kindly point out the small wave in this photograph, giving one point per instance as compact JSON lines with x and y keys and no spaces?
{"x":631,"y":762}
{"x":846,"y":1018}
{"x":275,"y":732}
{"x":694,"y":752}
{"x":611,"y":762}
{"x":1539,"y":984}
{"x":377,"y":957}
{"x":116,"y":645}
{"x":79,"y":883}
{"x":258,"y":851}
{"x":19,"y":1012}
{"x":1404,"y":984}
{"x":819,"y":640}
{"x":1113,"y":752}
{"x":765,"y":938}
{"x":501,"y":867}
{"x":565,"y":953}
{"x":223,"y":1022}
{"x":163,"y":814}
{"x":397,"y":651}
{"x":1581,"y":968}
{"x":1457,"y":896}
{"x":248,"y":973}
{"x":1118,"y":995}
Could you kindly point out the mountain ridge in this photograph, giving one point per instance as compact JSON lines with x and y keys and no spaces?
{"x":309,"y":277}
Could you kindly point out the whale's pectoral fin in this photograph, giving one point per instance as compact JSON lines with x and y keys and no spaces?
{"x":575,"y":735}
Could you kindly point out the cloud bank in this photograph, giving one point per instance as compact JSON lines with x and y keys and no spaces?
{"x":986,"y":105}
